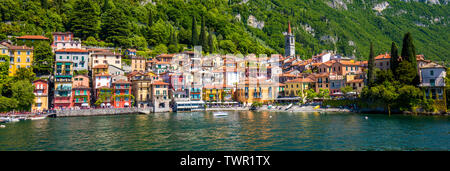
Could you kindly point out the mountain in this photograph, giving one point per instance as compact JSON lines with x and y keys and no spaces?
{"x":240,"y":26}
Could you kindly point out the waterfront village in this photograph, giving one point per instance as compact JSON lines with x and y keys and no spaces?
{"x":190,"y":81}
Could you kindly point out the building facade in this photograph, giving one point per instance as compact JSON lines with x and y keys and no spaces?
{"x":81,"y":92}
{"x":41,"y":95}
{"x":79,"y":57}
{"x":122,"y":94}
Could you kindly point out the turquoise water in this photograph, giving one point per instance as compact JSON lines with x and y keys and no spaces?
{"x":238,"y":131}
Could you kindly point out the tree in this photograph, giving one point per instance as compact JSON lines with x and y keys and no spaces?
{"x":210,"y":42}
{"x":43,"y":59}
{"x":385,"y":93}
{"x":371,"y":67}
{"x":160,"y":49}
{"x":410,"y":96}
{"x":194,"y":37}
{"x":203,"y":38}
{"x":406,"y":73}
{"x":310,"y":94}
{"x":409,"y":54}
{"x":346,"y":89}
{"x":115,"y":27}
{"x":394,"y":61}
{"x":108,"y":5}
{"x":228,"y":46}
{"x":22,"y":91}
{"x":323,"y":93}
{"x":384,"y":75}
{"x":26,"y":74}
{"x":85,"y":19}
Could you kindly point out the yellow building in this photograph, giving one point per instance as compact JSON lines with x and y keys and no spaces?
{"x":101,"y":68}
{"x":262,"y":91}
{"x":137,"y":64}
{"x":41,"y":95}
{"x":19,"y":57}
{"x":293,"y":87}
{"x":217,"y":93}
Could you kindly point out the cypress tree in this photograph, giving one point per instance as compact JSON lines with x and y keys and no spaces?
{"x":371,"y":67}
{"x":194,"y":37}
{"x":203,"y":38}
{"x":394,"y":62}
{"x":210,"y":42}
{"x":409,"y":54}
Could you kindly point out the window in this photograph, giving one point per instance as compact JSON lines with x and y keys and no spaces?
{"x":431,"y":72}
{"x":56,"y":38}
{"x":28,"y":52}
{"x":28,"y":59}
{"x":60,"y":57}
{"x":18,"y":52}
{"x":18,"y":59}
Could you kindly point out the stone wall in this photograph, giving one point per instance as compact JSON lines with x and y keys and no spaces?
{"x":99,"y":112}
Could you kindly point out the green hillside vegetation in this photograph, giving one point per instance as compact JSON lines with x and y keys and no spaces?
{"x":168,"y":25}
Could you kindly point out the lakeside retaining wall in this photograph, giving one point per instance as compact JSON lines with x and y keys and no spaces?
{"x":100,"y":112}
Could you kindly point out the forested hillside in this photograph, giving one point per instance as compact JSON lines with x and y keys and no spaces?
{"x":223,"y":26}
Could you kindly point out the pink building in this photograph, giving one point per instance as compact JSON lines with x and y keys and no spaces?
{"x":65,"y":40}
{"x":81,"y":92}
{"x":122,"y":93}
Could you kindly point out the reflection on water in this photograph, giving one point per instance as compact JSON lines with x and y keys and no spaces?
{"x":244,"y":130}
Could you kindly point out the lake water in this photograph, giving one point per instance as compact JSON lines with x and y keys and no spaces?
{"x":245,"y":130}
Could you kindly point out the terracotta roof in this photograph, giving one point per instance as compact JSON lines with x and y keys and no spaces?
{"x":329,"y":63}
{"x":108,"y":53}
{"x":132,"y":50}
{"x":432,"y":65}
{"x":19,"y":47}
{"x":162,"y":62}
{"x":383,"y":56}
{"x":121,"y":81}
{"x":356,"y":81}
{"x":85,"y":76}
{"x":61,"y":33}
{"x":100,"y":66}
{"x":316,"y":64}
{"x":217,"y":86}
{"x":286,"y":75}
{"x":165,"y":56}
{"x":34,"y":37}
{"x":300,"y":80}
{"x":39,"y":80}
{"x":72,"y":50}
{"x":102,"y":74}
{"x":326,"y":74}
{"x":159,"y":83}
{"x":343,"y":62}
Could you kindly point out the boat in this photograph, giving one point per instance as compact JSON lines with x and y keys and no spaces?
{"x":289,"y":106}
{"x":13,"y":119}
{"x":317,"y":107}
{"x":37,"y":117}
{"x":220,"y":114}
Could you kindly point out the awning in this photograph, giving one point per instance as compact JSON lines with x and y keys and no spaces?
{"x":126,"y":104}
{"x":103,"y":104}
{"x":85,"y":104}
{"x":108,"y":104}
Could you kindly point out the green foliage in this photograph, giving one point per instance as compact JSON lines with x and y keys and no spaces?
{"x":160,"y":49}
{"x":394,"y":61}
{"x":115,"y":28}
{"x":8,"y":104}
{"x":26,"y":74}
{"x":22,"y":91}
{"x":80,"y":72}
{"x":371,"y":67}
{"x":384,"y":75}
{"x":346,"y":89}
{"x":256,"y":104}
{"x":409,"y":54}
{"x":43,"y":59}
{"x":406,"y":72}
{"x":323,"y":93}
{"x":311,"y":94}
{"x":85,"y":19}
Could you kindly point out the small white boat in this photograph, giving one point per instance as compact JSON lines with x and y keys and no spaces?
{"x":13,"y":119}
{"x":289,"y":106}
{"x":2,"y":126}
{"x":220,"y":114}
{"x":37,"y":117}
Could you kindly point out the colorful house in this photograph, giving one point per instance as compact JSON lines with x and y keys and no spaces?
{"x":63,"y":85}
{"x":160,"y":96}
{"x":293,"y":87}
{"x":138,"y":63}
{"x":433,"y":83}
{"x":98,"y":69}
{"x":40,"y":95}
{"x":106,"y":57}
{"x":382,"y":61}
{"x":81,"y":92}
{"x":65,"y":40}
{"x":19,"y":57}
{"x":102,"y":89}
{"x":218,"y":93}
{"x":122,"y":93}
{"x":257,"y":90}
{"x":79,"y":57}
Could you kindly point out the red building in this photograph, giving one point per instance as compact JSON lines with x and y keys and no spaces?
{"x":122,"y":93}
{"x":81,"y":91}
